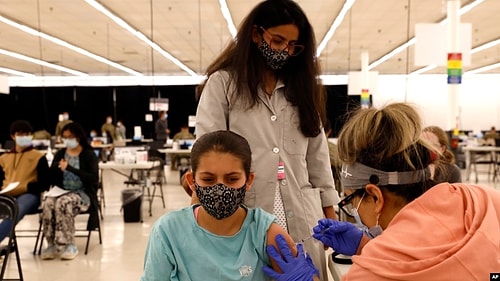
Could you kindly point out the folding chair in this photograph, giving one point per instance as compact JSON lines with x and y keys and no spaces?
{"x":155,"y":176}
{"x":8,"y":211}
{"x":33,"y":233}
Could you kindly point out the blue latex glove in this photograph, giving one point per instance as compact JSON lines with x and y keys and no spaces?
{"x":299,"y":268}
{"x":343,"y":237}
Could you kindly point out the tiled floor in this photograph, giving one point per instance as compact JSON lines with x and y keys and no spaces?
{"x":120,"y":257}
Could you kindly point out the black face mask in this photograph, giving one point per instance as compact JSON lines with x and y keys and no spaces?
{"x":219,"y":200}
{"x":275,"y":59}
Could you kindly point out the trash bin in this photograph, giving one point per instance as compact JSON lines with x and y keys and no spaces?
{"x":132,"y":205}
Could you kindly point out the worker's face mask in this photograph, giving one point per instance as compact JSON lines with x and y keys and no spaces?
{"x":371,"y":232}
{"x":219,"y":200}
{"x":23,"y":141}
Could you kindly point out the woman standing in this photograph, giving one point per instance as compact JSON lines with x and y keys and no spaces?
{"x":264,"y":86}
{"x":75,"y":170}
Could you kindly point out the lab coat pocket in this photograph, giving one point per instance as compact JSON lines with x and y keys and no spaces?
{"x":294,"y":141}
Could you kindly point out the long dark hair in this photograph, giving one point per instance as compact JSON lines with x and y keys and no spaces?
{"x":300,"y":74}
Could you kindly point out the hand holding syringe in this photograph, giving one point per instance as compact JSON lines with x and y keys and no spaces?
{"x":310,"y":237}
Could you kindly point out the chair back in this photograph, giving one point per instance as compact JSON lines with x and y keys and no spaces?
{"x":8,"y":210}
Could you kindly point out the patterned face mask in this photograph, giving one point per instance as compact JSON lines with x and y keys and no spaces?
{"x":275,"y":59}
{"x":219,"y":200}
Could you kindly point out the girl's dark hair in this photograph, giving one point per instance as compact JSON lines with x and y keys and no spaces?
{"x":78,"y":132}
{"x":300,"y":74}
{"x":223,"y":142}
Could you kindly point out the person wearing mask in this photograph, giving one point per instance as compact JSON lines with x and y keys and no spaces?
{"x":75,"y":171}
{"x":108,"y":130}
{"x":278,"y":105}
{"x":121,"y":130}
{"x":63,"y":120}
{"x":411,"y":228}
{"x":161,"y":127}
{"x":220,"y":238}
{"x":444,"y":168}
{"x":28,"y":168}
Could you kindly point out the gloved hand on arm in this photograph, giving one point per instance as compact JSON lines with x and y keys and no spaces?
{"x":343,"y":237}
{"x":294,"y":268}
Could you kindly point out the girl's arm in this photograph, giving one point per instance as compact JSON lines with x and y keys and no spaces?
{"x":288,"y":261}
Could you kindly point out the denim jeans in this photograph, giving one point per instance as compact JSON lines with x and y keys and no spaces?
{"x":27,"y":203}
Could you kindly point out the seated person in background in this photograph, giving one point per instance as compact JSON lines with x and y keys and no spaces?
{"x":421,"y":231}
{"x":75,"y":169}
{"x":27,"y":166}
{"x":444,"y":169}
{"x":92,"y":135}
{"x":489,"y":137}
{"x":41,"y":135}
{"x":183,"y":134}
{"x":220,"y":238}
{"x":492,"y":134}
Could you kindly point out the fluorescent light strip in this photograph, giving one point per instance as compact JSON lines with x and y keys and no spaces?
{"x":41,"y":62}
{"x":412,"y":41}
{"x":483,"y":68}
{"x":15,"y":72}
{"x":485,"y":46}
{"x":65,"y":44}
{"x":227,"y":16}
{"x":139,"y":35}
{"x":336,"y":23}
{"x":103,"y":81}
{"x":423,"y":69}
{"x":392,"y":53}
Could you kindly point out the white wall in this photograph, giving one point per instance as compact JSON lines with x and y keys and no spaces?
{"x":479,"y":98}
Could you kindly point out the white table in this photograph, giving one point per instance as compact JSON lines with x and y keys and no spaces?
{"x":472,"y":153}
{"x":141,"y":179}
{"x":139,"y":165}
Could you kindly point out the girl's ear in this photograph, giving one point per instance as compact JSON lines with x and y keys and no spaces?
{"x":190,"y":179}
{"x":378,"y":197}
{"x":250,"y":179}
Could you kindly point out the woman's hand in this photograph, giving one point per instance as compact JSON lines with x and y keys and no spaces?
{"x":63,"y":164}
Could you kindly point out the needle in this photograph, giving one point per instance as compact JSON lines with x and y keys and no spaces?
{"x":321,"y":232}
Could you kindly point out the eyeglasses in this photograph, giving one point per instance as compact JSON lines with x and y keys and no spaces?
{"x":278,"y":43}
{"x":346,"y":206}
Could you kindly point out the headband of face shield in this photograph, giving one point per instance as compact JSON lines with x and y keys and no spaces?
{"x":357,"y":175}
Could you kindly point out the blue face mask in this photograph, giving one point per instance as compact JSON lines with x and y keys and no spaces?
{"x":70,"y":143}
{"x":23,"y":141}
{"x":370,"y":232}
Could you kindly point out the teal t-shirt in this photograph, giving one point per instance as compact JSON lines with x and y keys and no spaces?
{"x":179,"y":249}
